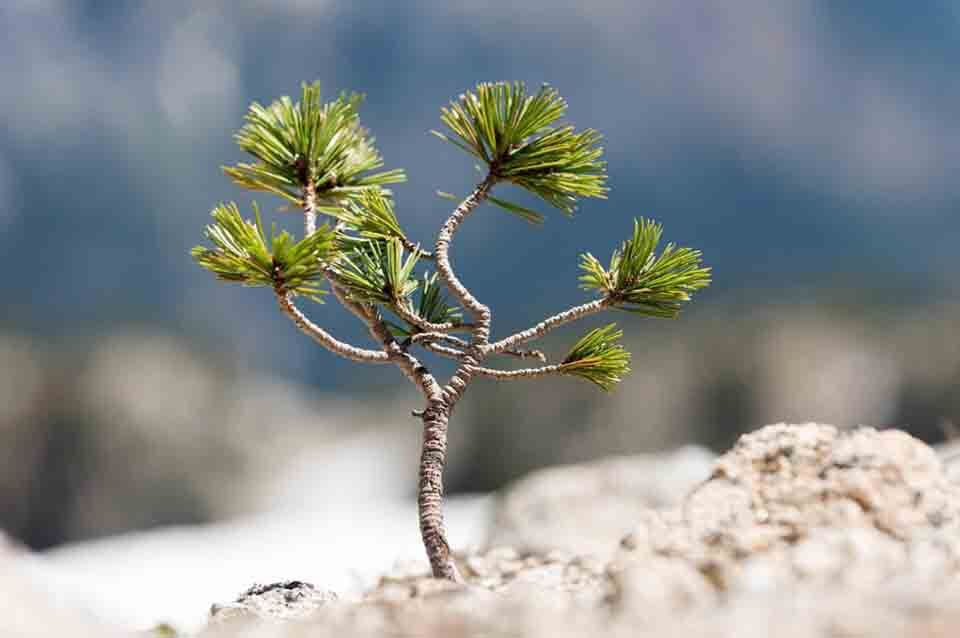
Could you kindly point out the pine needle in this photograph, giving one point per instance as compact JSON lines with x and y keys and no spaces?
{"x":598,"y":358}
{"x":640,"y":281}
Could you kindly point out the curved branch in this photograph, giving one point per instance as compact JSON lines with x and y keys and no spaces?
{"x":378,"y":329}
{"x":309,"y":227}
{"x":438,"y":336}
{"x":433,"y":450}
{"x":460,"y":343}
{"x":444,"y":351}
{"x":548,"y":324}
{"x":360,"y":311}
{"x":367,"y":314}
{"x":412,"y":247}
{"x":539,"y":355}
{"x":416,"y":320}
{"x":325,"y":339}
{"x":480,"y":312}
{"x":408,"y":364}
{"x":510,"y":375}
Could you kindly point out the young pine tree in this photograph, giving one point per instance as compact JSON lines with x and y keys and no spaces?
{"x":318,"y":158}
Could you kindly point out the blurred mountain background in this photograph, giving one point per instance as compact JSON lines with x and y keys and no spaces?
{"x":807,"y":147}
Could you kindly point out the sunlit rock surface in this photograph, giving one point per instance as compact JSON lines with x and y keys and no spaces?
{"x":803,"y":531}
{"x":798,"y":531}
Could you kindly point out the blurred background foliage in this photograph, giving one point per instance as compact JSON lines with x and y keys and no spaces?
{"x":806,"y":147}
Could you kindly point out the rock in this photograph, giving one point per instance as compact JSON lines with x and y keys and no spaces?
{"x":503,"y":571}
{"x":858,"y":530}
{"x":587,"y":508}
{"x":799,"y":532}
{"x":949,"y":453}
{"x":501,"y":586}
{"x":290,"y":600}
{"x":345,"y":547}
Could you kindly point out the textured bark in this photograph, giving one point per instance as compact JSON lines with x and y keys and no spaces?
{"x":444,"y":351}
{"x":439,"y":336}
{"x":433,"y":452}
{"x":436,"y":415}
{"x":433,"y":456}
{"x":440,"y":401}
{"x":480,"y":312}
{"x":523,"y":373}
{"x":548,"y":324}
{"x":428,"y":339}
{"x":325,"y":339}
{"x":309,"y":208}
{"x":409,"y":245}
{"x":412,"y":318}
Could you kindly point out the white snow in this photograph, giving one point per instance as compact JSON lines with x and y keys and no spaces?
{"x":174,"y":575}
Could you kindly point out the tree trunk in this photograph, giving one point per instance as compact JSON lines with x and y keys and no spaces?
{"x":430,"y":493}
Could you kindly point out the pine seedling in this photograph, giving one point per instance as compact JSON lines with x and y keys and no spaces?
{"x":318,"y":158}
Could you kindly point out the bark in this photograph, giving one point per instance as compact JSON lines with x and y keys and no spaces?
{"x":524,"y":373}
{"x":435,"y":417}
{"x":309,"y":208}
{"x":480,"y":312}
{"x":439,"y":407}
{"x":321,"y":336}
{"x":548,"y":324}
{"x":411,"y":317}
{"x":433,"y":456}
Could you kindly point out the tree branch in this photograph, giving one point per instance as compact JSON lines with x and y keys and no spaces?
{"x":433,"y":450}
{"x":408,"y":364}
{"x":321,"y":336}
{"x":548,"y":324}
{"x":367,"y":314}
{"x":510,"y":375}
{"x":359,"y":310}
{"x":539,"y":355}
{"x":392,"y":352}
{"x":309,"y":208}
{"x":480,"y":312}
{"x":416,"y":320}
{"x":309,"y":227}
{"x":444,"y":351}
{"x":315,"y":332}
{"x":438,"y":336}
{"x":409,"y":245}
{"x":427,"y":337}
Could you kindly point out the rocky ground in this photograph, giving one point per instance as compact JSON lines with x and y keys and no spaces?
{"x":798,"y":531}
